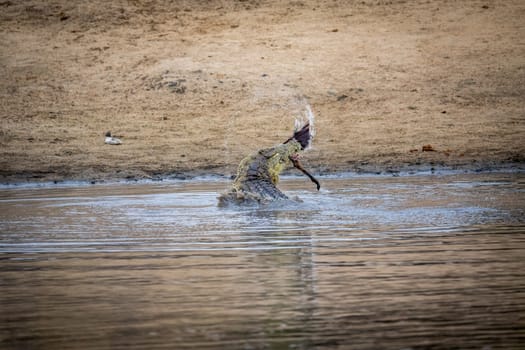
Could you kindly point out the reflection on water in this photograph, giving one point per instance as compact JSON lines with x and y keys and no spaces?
{"x":369,"y":262}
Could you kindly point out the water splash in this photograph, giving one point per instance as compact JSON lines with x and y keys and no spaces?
{"x":306,"y":117}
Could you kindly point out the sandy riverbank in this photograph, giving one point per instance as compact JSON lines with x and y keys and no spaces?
{"x":193,"y":86}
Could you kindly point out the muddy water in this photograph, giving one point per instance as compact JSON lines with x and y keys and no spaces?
{"x":415,"y":262}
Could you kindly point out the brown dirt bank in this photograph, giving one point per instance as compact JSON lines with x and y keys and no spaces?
{"x":193,"y":86}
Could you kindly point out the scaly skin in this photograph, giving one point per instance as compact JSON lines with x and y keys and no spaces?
{"x":258,"y":175}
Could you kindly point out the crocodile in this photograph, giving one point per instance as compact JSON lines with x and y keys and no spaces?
{"x":258,"y":173}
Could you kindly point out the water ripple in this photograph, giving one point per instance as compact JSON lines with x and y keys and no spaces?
{"x":404,"y":263}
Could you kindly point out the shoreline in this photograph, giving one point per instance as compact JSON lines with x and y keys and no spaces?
{"x":203,"y":175}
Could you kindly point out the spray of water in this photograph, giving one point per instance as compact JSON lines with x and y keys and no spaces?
{"x":306,"y":117}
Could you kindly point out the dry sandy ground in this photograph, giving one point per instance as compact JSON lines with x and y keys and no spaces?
{"x":193,"y":86}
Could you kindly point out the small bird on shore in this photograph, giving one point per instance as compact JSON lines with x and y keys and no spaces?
{"x":110,"y":140}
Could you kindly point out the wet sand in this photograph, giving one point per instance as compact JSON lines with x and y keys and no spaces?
{"x":192,"y":87}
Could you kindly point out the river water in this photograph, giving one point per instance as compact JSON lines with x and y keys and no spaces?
{"x":409,"y":262}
